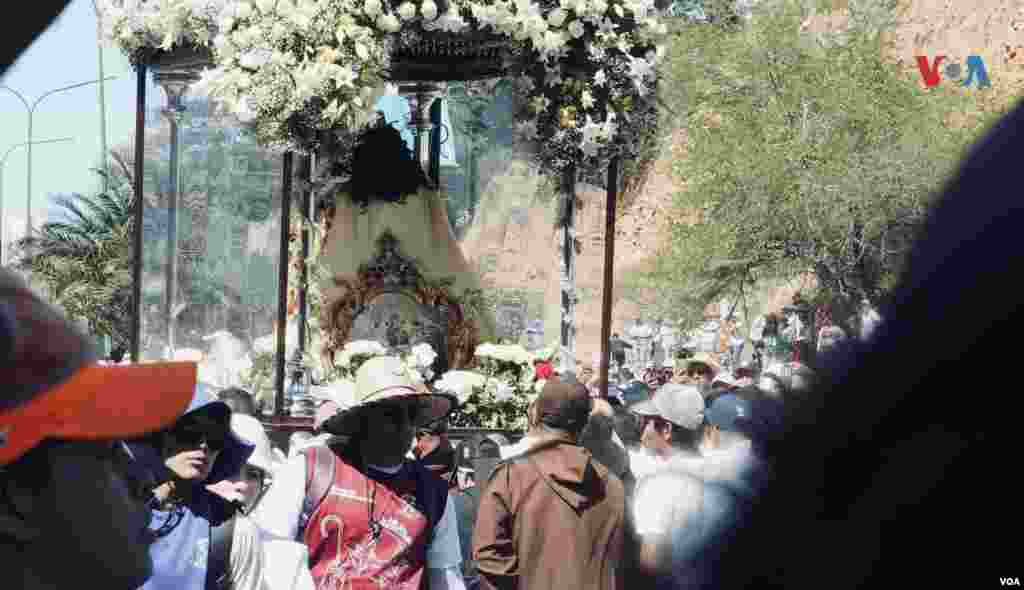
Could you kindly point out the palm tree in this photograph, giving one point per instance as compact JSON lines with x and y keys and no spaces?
{"x":84,"y":259}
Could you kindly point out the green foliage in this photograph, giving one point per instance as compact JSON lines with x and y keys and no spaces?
{"x":801,"y":157}
{"x":85,"y":261}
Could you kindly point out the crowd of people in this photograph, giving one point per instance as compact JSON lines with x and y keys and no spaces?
{"x":130,"y":477}
{"x":378,"y":497}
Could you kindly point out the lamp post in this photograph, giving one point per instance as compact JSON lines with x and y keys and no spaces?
{"x":31,"y":109}
{"x":103,"y":99}
{"x":3,"y":210}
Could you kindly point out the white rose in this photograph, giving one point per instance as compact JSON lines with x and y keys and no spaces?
{"x":587,"y":99}
{"x":485,"y":350}
{"x":557,"y":17}
{"x":362,"y":52}
{"x":424,"y":354}
{"x":502,"y":390}
{"x":389,"y":22}
{"x":372,"y":7}
{"x":407,"y":11}
{"x":428,"y":9}
{"x":576,"y":28}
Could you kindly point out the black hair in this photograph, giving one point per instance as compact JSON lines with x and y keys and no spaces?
{"x":383,"y":167}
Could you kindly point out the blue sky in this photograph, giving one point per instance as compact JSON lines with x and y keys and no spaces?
{"x":65,"y":54}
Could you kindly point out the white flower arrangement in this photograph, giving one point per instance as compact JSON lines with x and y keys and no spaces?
{"x":505,"y":353}
{"x":296,"y":66}
{"x":354,"y":354}
{"x":461,"y":384}
{"x":498,"y":392}
{"x":139,"y":25}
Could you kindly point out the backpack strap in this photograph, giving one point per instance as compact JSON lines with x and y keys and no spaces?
{"x":320,"y":470}
{"x":219,"y":560}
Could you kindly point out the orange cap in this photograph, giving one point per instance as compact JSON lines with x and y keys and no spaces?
{"x":100,"y":402}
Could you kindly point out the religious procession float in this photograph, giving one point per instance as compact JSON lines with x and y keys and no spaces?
{"x":314,"y":167}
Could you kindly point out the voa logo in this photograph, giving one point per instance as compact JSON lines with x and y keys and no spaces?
{"x":1009,"y":581}
{"x":976,"y":71}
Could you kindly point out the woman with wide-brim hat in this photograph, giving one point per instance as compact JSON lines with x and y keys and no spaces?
{"x":378,"y":502}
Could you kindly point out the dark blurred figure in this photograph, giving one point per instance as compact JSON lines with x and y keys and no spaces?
{"x":73,"y":510}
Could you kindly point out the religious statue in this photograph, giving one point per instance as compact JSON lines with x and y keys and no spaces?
{"x":397,"y":274}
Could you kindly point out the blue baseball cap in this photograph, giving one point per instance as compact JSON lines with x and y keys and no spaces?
{"x":728,"y":412}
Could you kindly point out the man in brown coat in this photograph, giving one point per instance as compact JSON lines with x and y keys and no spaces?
{"x":552,"y":518}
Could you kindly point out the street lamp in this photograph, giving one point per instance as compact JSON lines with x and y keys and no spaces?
{"x":31,"y":109}
{"x":3,"y":210}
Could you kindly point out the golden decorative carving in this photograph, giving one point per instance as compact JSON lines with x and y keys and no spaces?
{"x":391,"y":272}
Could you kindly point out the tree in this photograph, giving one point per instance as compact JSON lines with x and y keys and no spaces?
{"x":85,"y":261}
{"x":802,"y":157}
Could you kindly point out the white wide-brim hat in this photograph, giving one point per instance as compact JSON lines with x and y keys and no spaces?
{"x":250,"y":430}
{"x":387,"y":380}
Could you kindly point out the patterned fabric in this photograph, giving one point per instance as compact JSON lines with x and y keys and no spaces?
{"x":344,"y":551}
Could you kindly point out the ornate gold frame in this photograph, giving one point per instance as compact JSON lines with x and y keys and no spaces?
{"x":392,"y":272}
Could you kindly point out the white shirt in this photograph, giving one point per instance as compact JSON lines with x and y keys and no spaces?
{"x":670,"y":494}
{"x":278,"y":513}
{"x":286,"y":564}
{"x":248,"y":560}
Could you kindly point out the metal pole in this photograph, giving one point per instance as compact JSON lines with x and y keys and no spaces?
{"x":282,"y":283}
{"x":28,"y":170}
{"x":306,"y":164}
{"x":103,"y":100}
{"x":31,"y":111}
{"x":3,"y":210}
{"x":609,"y":271}
{"x":172,"y":234}
{"x":568,"y":282}
{"x":137,"y":211}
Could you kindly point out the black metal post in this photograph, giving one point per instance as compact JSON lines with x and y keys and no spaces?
{"x":282,"y":284}
{"x":172,"y":236}
{"x":568,"y":283}
{"x":609,"y":271}
{"x":137,"y":212}
{"x":306,"y":165}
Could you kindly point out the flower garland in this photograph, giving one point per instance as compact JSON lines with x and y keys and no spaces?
{"x":586,"y":68}
{"x":140,"y":27}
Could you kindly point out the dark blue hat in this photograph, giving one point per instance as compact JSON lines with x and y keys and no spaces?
{"x":729,"y":412}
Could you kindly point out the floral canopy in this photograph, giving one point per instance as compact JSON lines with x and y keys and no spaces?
{"x":585,"y":69}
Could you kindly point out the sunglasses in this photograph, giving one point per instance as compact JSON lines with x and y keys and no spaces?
{"x":194,"y":435}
